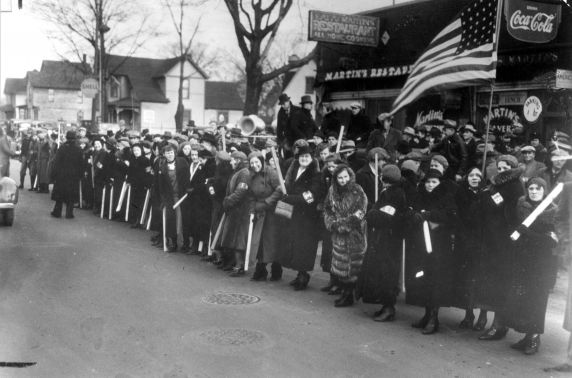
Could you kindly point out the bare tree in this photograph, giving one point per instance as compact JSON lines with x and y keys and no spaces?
{"x":256,"y":27}
{"x":101,"y":25}
{"x":177,"y":11}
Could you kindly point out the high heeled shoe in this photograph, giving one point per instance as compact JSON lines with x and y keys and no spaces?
{"x":432,"y":325}
{"x":521,"y":344}
{"x":480,"y":324}
{"x":302,"y":282}
{"x":387,"y":314}
{"x":494,"y":333}
{"x":532,"y":345}
{"x":347,"y":298}
{"x":467,"y":322}
{"x":421,"y":323}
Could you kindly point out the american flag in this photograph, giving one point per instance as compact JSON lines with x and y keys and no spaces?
{"x":463,"y":53}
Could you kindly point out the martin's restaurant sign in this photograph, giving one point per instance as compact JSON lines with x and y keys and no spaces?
{"x":343,"y":28}
{"x":369,"y":73}
{"x":532,"y":21}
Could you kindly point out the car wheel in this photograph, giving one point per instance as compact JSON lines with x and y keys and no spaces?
{"x":9,"y":217}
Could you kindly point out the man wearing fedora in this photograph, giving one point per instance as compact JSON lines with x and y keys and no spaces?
{"x":283,"y":133}
{"x":302,"y":124}
{"x":359,"y":125}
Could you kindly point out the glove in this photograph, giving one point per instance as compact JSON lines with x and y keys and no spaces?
{"x":189,"y":190}
{"x":417,"y":218}
{"x":522,"y":229}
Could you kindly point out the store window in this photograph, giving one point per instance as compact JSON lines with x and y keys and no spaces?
{"x":309,"y":84}
{"x":186,"y":88}
{"x":50,"y":95}
{"x":186,"y":116}
{"x":114,"y":88}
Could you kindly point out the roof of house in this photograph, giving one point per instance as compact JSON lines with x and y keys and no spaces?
{"x":60,"y":75}
{"x":222,"y":95}
{"x":14,"y":86}
{"x":143,"y":74}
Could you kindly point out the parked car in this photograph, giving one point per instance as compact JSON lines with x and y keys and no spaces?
{"x":8,"y":200}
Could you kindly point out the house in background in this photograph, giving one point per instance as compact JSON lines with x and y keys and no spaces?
{"x":222,"y":99}
{"x":143,"y":92}
{"x":299,"y":82}
{"x":54,"y":93}
{"x":15,"y":104}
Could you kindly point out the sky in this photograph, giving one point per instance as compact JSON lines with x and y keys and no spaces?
{"x":24,"y":42}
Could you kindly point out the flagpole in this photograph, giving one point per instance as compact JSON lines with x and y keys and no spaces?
{"x":496,"y":49}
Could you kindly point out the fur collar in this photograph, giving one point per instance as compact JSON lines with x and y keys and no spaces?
{"x":507,"y":176}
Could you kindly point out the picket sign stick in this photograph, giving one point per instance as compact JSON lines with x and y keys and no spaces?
{"x":224,"y":141}
{"x":80,"y":195}
{"x":376,"y":178}
{"x":403,"y":266}
{"x":339,"y":145}
{"x":249,"y":242}
{"x":218,"y":231}
{"x":539,"y":209}
{"x":110,"y":215}
{"x":102,"y":203}
{"x":209,"y":249}
{"x":200,"y":248}
{"x":35,"y":182}
{"x":149,"y":220}
{"x":165,"y":229}
{"x":278,"y":171}
{"x":145,"y":205}
{"x":121,"y":196}
{"x":92,"y":173}
{"x":427,"y":236}
{"x":178,"y":203}
{"x":128,"y":203}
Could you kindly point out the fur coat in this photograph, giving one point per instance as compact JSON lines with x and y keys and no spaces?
{"x":344,"y":216}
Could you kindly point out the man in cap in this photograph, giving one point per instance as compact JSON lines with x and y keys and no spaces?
{"x":556,"y":172}
{"x":302,"y":125}
{"x":359,"y":125}
{"x":385,"y":135}
{"x":530,"y":165}
{"x":468,"y":133}
{"x":365,"y":176}
{"x":453,"y":148}
{"x":283,"y":134}
{"x":330,"y":122}
{"x":541,"y":153}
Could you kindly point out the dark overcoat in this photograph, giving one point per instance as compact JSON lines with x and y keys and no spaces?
{"x":199,"y":202}
{"x":236,"y":207}
{"x":68,"y":168}
{"x":379,"y":279}
{"x":366,"y":179}
{"x":499,"y":219}
{"x":428,"y":278}
{"x":299,"y":236}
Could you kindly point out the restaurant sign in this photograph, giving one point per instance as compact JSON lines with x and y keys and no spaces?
{"x":369,"y":73}
{"x":343,"y":28}
{"x":532,"y":21}
{"x":563,"y":79}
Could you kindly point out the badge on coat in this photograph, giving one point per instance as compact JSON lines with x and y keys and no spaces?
{"x":308,"y":197}
{"x":388,"y":210}
{"x":497,"y":198}
{"x":243,"y":185}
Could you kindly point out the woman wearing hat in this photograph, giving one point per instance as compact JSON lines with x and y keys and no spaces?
{"x":499,"y":219}
{"x":428,"y":277}
{"x":533,"y":266}
{"x":299,"y":235}
{"x":264,"y":194}
{"x":66,"y":174}
{"x":379,"y":279}
{"x":345,"y":207}
{"x":139,"y":179}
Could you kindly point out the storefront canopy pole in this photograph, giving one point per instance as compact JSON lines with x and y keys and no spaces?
{"x":487,"y":132}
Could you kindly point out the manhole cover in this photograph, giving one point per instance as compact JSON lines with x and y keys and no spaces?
{"x":231,"y":337}
{"x":231,"y":299}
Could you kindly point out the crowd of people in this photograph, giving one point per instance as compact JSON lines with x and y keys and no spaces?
{"x":371,"y":198}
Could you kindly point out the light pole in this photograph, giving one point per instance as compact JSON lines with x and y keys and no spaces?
{"x":101,"y":30}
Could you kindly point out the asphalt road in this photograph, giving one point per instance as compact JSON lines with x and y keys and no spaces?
{"x":92,"y":298}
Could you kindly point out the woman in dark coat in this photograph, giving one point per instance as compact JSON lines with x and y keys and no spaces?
{"x":345,"y":208}
{"x":379,"y":280}
{"x":236,"y":207}
{"x":468,"y":246}
{"x":299,"y":235}
{"x":139,"y":178}
{"x":264,"y":193}
{"x":172,"y":175}
{"x":499,"y":221}
{"x":44,"y":152}
{"x":216,"y":187}
{"x":428,"y":277}
{"x":66,"y":175}
{"x":533,"y":266}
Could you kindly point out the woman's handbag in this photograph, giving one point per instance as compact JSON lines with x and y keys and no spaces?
{"x":284,"y":210}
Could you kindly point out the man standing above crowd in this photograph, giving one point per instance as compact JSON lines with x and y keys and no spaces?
{"x":302,"y":125}
{"x":284,"y":135}
{"x":468,"y":132}
{"x":359,"y":126}
{"x":385,"y":136}
{"x":454,"y":149}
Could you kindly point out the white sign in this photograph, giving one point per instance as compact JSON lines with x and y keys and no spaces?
{"x":532,"y":109}
{"x":563,"y":79}
{"x":90,"y":88}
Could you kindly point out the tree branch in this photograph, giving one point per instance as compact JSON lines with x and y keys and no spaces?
{"x":287,"y":67}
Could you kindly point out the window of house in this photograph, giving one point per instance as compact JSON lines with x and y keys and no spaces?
{"x":114,"y":88}
{"x":186,"y":88}
{"x":50,"y":95}
{"x":309,"y":84}
{"x":186,"y":116}
{"x":79,"y":97}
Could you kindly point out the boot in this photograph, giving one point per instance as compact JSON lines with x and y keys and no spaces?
{"x":57,"y":211}
{"x":421,"y":323}
{"x":295,"y":281}
{"x":387,"y":314}
{"x":260,"y":273}
{"x":172,"y":245}
{"x":303,"y":282}
{"x":481,"y":322}
{"x":521,"y":344}
{"x":533,"y":344}
{"x":467,"y":322}
{"x":347,"y":298}
{"x":275,"y":272}
{"x":494,"y":333}
{"x":432,"y":325}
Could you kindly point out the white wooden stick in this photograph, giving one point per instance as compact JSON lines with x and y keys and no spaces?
{"x":210,"y":251}
{"x":200,"y":248}
{"x":36,"y":182}
{"x":539,"y":209}
{"x":248,"y":242}
{"x":224,"y":140}
{"x":165,"y":229}
{"x":80,"y":195}
{"x":128,"y":203}
{"x":403,"y":266}
{"x":149,"y":220}
{"x":339,"y":145}
{"x":278,"y":171}
{"x":218,"y":231}
{"x":145,"y":205}
{"x":102,"y":203}
{"x":121,"y":196}
{"x":178,"y":203}
{"x":427,"y":236}
{"x":110,"y":215}
{"x":376,"y":178}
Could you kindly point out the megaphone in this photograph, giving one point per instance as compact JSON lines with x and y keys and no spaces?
{"x":250,"y":124}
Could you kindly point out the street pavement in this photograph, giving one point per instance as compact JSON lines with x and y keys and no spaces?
{"x":92,"y":298}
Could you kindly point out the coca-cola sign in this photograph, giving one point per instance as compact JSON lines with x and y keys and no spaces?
{"x":532,"y":21}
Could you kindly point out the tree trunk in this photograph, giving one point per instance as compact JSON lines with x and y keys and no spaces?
{"x":253,"y":90}
{"x":180,"y":107}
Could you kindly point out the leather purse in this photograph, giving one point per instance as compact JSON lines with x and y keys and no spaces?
{"x":284,"y":210}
